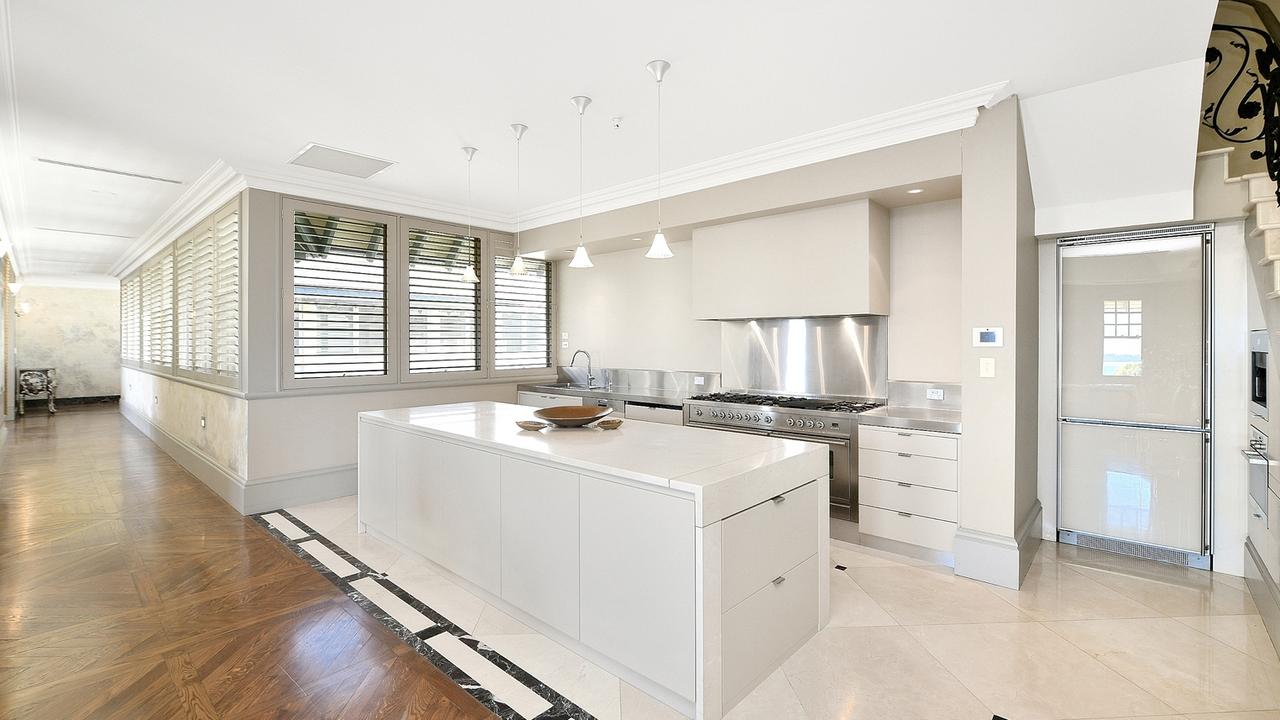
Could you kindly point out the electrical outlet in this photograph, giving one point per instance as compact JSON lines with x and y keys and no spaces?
{"x":202,"y":421}
{"x":986,"y":367}
{"x":935,"y":394}
{"x":155,"y":399}
{"x":564,"y":345}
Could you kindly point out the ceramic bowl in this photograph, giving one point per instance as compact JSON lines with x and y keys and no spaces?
{"x":610,"y":424}
{"x":572,"y":415}
{"x":531,"y":424}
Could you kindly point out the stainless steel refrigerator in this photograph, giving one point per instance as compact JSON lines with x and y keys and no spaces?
{"x":1134,"y":393}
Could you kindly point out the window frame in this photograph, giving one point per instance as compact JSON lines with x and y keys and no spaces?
{"x":506,"y":249}
{"x":209,"y":224}
{"x":395,"y":349}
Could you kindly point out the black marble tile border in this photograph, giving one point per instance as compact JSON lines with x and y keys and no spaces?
{"x":562,"y":708}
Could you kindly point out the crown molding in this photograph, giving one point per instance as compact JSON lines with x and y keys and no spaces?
{"x":88,"y":282}
{"x":935,"y":117}
{"x":214,"y":188}
{"x":12,"y":190}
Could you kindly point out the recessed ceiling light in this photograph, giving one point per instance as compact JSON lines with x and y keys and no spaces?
{"x":915,"y":191}
{"x":322,"y":157}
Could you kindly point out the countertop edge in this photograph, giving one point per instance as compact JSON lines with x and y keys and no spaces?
{"x":675,"y":400}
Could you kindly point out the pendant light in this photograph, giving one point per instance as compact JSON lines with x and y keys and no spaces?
{"x":580,"y":257}
{"x":658,"y":250}
{"x":517,"y":263}
{"x":469,"y":272}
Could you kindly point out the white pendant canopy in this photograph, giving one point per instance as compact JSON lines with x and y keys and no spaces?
{"x":658,"y":249}
{"x":580,"y":257}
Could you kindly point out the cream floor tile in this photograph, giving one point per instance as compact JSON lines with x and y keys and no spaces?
{"x":638,"y":705}
{"x":851,"y":606}
{"x":1245,"y":633}
{"x":1186,"y":669}
{"x":504,"y":687}
{"x":876,"y":673}
{"x":496,"y":622}
{"x":1259,"y":715}
{"x":327,"y":515}
{"x":437,"y":591}
{"x":328,"y":558}
{"x":1053,"y":591}
{"x":393,"y":605}
{"x":1025,"y":671}
{"x":772,"y":699}
{"x":1176,"y":592}
{"x":851,"y":555}
{"x":368,"y":549}
{"x":592,"y":688}
{"x":918,"y":596}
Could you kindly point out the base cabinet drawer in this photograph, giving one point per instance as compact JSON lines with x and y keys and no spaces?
{"x":908,"y":468}
{"x":766,"y":540}
{"x":761,"y":630}
{"x":908,"y":441}
{"x":907,"y":528}
{"x":914,"y":499}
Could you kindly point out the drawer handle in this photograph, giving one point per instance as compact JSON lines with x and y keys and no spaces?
{"x":902,"y":514}
{"x":779,"y":580}
{"x":902,"y":484}
{"x":779,"y":500}
{"x":904,"y":434}
{"x":904,"y":454}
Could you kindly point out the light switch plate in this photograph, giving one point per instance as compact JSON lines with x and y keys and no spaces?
{"x":699,"y":380}
{"x":935,"y":394}
{"x":986,"y":367}
{"x":564,"y":345}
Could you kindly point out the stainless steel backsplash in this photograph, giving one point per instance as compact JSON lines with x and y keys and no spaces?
{"x":807,"y":356}
{"x":680,"y":381}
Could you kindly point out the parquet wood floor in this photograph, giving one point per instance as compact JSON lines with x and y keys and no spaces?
{"x":130,"y":590}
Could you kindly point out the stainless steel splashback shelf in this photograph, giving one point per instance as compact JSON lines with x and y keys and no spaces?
{"x":828,"y":356}
{"x":663,"y":381}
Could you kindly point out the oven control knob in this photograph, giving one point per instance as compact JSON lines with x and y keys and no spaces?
{"x":791,"y":421}
{"x":819,"y":425}
{"x":768,"y":418}
{"x":698,"y":413}
{"x":808,"y":423}
{"x":755,"y":418}
{"x":715,"y":413}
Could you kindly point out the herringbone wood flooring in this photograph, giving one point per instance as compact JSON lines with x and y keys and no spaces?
{"x":130,"y":590}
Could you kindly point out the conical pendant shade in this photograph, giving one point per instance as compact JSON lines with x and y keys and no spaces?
{"x":469,"y":275}
{"x":517,"y":266}
{"x":658,"y":250}
{"x":581,"y":259}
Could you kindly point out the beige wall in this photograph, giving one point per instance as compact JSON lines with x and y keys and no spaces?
{"x":176,"y":409}
{"x":77,"y":331}
{"x":630,"y":311}
{"x":925,"y":337}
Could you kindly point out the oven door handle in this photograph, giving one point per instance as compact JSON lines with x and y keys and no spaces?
{"x":730,"y":428}
{"x":838,"y":442}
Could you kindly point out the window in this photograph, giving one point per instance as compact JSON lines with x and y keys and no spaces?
{"x":521,"y":315}
{"x":130,"y":319}
{"x":339,"y":280}
{"x":223,"y":346}
{"x":157,"y":311}
{"x":444,"y":309}
{"x":1122,"y":338}
{"x":192,"y":274}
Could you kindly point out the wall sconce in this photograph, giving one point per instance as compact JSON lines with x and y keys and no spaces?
{"x":22,"y":308}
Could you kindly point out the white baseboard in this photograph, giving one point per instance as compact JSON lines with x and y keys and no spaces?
{"x":252,"y":496}
{"x":998,"y":559}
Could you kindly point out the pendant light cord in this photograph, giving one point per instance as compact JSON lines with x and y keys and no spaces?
{"x":517,"y":197}
{"x":468,"y":196}
{"x":659,"y":156}
{"x":580,"y":177}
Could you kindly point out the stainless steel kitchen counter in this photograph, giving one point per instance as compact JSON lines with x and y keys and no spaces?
{"x":912,"y":418}
{"x":653,"y":396}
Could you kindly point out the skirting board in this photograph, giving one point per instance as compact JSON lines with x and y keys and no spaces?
{"x":1266,"y":595}
{"x":253,"y":496}
{"x":997,"y":559}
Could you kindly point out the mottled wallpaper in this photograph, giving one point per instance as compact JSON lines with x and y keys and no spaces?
{"x":77,"y":331}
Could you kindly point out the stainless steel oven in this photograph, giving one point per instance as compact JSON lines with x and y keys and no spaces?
{"x":1259,"y":474}
{"x":1259,"y":348}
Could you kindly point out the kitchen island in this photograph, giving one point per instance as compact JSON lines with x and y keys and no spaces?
{"x":688,"y":562}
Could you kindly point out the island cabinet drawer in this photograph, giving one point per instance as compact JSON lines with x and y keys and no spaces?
{"x":908,"y":441}
{"x":907,"y":468}
{"x":765,"y":540}
{"x":907,"y":528}
{"x":762,"y":630}
{"x":914,"y":499}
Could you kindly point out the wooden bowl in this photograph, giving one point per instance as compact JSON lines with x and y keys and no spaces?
{"x":610,"y":424}
{"x":531,"y":424}
{"x":572,"y":415}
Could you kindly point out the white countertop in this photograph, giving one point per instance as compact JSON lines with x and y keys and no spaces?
{"x":724,"y":471}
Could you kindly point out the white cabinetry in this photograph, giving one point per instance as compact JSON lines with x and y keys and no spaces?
{"x":540,"y":542}
{"x":907,"y":483}
{"x":534,"y":399}
{"x":830,"y":260}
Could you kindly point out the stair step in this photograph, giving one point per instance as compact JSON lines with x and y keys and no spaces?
{"x":1268,"y":214}
{"x":1262,"y":189}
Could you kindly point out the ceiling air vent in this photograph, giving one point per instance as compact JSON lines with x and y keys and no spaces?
{"x":322,"y":157}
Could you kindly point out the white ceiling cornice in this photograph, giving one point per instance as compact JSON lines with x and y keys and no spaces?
{"x":222,"y":181}
{"x":12,"y":194}
{"x":953,"y":112}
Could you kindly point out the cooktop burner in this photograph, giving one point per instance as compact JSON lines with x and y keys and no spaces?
{"x":788,"y":401}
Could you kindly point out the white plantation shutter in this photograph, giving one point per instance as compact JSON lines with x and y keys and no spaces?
{"x":157,"y":311}
{"x":339,"y":296}
{"x":521,"y":315}
{"x":224,"y":294}
{"x":444,"y":309}
{"x":131,"y":319}
{"x":191,"y":268}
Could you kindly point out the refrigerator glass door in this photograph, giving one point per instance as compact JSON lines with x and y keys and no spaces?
{"x":1132,"y":401}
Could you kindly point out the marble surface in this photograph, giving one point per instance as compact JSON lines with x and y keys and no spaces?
{"x":910,"y":640}
{"x":725,"y":472}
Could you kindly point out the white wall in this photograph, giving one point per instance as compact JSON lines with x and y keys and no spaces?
{"x":633,"y":312}
{"x":75,"y":330}
{"x":1115,"y":153}
{"x":925,"y":337}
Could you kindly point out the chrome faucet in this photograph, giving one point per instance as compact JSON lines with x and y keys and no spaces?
{"x":591,"y":379}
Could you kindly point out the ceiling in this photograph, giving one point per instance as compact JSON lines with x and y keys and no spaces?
{"x":165,"y":89}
